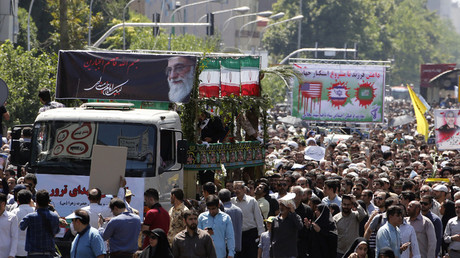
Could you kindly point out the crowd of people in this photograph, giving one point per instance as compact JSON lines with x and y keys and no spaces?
{"x":390,"y":194}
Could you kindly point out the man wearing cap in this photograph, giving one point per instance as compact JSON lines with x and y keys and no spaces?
{"x":440,"y":192}
{"x":88,"y":243}
{"x":219,"y":226}
{"x":347,"y":222}
{"x":285,"y":228}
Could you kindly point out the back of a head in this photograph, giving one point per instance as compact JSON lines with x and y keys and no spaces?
{"x":2,"y":198}
{"x":45,"y":95}
{"x":212,"y":200}
{"x":151,"y":192}
{"x":209,"y":187}
{"x":95,"y":195}
{"x":43,"y":198}
{"x":225,"y":195}
{"x":24,"y":196}
{"x":118,"y":203}
{"x":178,"y":193}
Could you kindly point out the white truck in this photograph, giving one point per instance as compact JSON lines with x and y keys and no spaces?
{"x":62,"y":147}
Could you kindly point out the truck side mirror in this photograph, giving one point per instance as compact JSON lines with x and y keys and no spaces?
{"x":182,"y":148}
{"x":15,"y":151}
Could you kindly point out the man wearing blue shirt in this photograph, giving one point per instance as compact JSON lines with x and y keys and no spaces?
{"x":219,"y":226}
{"x":41,"y":226}
{"x":122,"y":231}
{"x":389,"y":234}
{"x":88,"y":243}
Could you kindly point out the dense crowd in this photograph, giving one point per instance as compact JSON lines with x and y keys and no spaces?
{"x":385,"y":194}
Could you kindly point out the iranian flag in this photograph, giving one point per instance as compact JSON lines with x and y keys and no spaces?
{"x":230,"y":77}
{"x":250,"y":76}
{"x":210,"y":78}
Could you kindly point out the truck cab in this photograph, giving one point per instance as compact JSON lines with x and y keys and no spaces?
{"x":62,"y":146}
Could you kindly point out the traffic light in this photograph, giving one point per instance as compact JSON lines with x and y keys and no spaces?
{"x":156,"y":18}
{"x":210,"y":29}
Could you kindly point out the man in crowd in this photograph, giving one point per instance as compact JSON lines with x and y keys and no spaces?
{"x":9,"y":230}
{"x":219,"y":226}
{"x":88,"y":243}
{"x":122,"y":230}
{"x":176,"y":213}
{"x":426,"y":202}
{"x":389,"y":234}
{"x":253,"y":225}
{"x":42,"y":226}
{"x":331,"y":189}
{"x":426,"y":236}
{"x":235,"y":214}
{"x":45,"y":99}
{"x":24,"y":197}
{"x":452,"y":232}
{"x":347,"y":223}
{"x":260,"y":197}
{"x":156,"y":217}
{"x":193,"y":242}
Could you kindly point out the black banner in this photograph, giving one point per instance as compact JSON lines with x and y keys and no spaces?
{"x":124,"y":76}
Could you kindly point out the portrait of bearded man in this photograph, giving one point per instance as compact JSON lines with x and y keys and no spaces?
{"x":181,"y":75}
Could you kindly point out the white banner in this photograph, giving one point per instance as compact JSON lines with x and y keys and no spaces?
{"x":68,"y":192}
{"x":447,"y":129}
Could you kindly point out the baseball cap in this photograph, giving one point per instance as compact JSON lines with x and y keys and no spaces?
{"x":441,"y":188}
{"x":73,"y":216}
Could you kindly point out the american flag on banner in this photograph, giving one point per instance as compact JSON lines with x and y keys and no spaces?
{"x":310,"y":91}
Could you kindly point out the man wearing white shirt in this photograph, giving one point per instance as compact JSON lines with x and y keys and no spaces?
{"x":8,"y":229}
{"x":253,"y":225}
{"x":452,"y":233}
{"x":24,"y":197}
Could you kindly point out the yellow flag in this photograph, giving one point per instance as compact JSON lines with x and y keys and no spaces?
{"x":419,"y":109}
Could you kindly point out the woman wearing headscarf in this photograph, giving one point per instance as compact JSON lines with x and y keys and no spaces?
{"x":359,"y":249}
{"x":323,"y":239}
{"x":158,"y":245}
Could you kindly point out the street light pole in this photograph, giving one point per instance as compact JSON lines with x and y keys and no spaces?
{"x":295,"y":18}
{"x":28,"y":25}
{"x":263,"y":14}
{"x":238,"y":9}
{"x":124,"y":11}
{"x":274,"y":17}
{"x":89,"y":22}
{"x":180,"y":8}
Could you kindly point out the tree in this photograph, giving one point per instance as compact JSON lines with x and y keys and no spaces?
{"x":25,"y":72}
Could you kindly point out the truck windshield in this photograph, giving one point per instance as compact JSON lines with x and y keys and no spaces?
{"x":63,"y":147}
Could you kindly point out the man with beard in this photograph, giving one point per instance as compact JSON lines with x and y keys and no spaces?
{"x":348,"y":222}
{"x":193,"y":242}
{"x":181,"y":74}
{"x":427,"y":201}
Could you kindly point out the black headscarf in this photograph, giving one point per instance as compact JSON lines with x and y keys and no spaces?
{"x":162,"y":249}
{"x":324,"y":221}
{"x":370,"y":253}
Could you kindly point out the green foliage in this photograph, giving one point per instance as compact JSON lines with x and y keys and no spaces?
{"x":404,"y":31}
{"x":77,"y":14}
{"x":25,"y":73}
{"x":22,"y":36}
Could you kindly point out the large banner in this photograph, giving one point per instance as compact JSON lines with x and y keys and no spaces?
{"x":447,"y":129}
{"x":124,"y":76}
{"x":334,"y":92}
{"x":428,"y":71}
